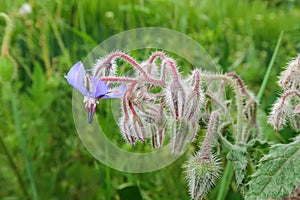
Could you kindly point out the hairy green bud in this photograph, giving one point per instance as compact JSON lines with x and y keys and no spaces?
{"x":202,"y":173}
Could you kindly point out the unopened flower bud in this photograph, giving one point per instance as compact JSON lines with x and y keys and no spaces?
{"x":157,"y":135}
{"x":202,"y":174}
{"x":295,"y":121}
{"x":158,"y":128}
{"x":127,"y":131}
{"x":289,"y":79}
{"x":278,"y":114}
{"x":138,"y":127}
{"x":182,"y":133}
{"x":150,"y":68}
{"x":176,"y":98}
{"x":193,"y":105}
{"x":297,"y":109}
{"x":104,"y":68}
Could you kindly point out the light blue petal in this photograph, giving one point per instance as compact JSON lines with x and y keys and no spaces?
{"x":98,"y":87}
{"x":75,"y":78}
{"x":117,"y":92}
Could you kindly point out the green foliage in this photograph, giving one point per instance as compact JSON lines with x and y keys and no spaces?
{"x":278,"y":172}
{"x":238,"y":157}
{"x":239,"y":35}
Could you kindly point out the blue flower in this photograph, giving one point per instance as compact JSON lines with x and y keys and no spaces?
{"x":92,"y":88}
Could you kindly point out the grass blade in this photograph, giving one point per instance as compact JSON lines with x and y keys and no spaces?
{"x":268,"y":73}
{"x":23,"y":145}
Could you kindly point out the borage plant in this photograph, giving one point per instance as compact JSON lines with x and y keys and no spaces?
{"x":158,"y":101}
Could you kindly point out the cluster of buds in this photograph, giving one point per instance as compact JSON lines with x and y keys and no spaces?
{"x":158,"y":102}
{"x":287,"y":106}
{"x":157,"y":99}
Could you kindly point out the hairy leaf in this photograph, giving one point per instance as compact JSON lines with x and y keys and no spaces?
{"x":257,"y":149}
{"x":278,"y":173}
{"x":238,"y":156}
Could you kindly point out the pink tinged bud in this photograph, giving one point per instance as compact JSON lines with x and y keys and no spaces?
{"x":154,"y":136}
{"x":210,"y":130}
{"x":295,"y":121}
{"x":297,"y":109}
{"x":136,"y":123}
{"x":161,"y":127}
{"x":151,"y":69}
{"x":157,"y":135}
{"x":176,"y":98}
{"x":250,"y":111}
{"x":127,"y":131}
{"x":289,"y":79}
{"x":104,"y":68}
{"x":182,"y":133}
{"x":193,"y":105}
{"x":195,"y":99}
{"x":278,"y":114}
{"x":138,"y":127}
{"x":155,"y":118}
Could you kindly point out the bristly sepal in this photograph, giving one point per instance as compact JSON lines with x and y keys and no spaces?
{"x":202,"y":174}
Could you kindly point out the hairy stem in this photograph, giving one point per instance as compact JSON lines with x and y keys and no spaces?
{"x":171,"y":63}
{"x":155,"y":55}
{"x":239,"y":102}
{"x":240,"y":82}
{"x":129,"y":59}
{"x":206,"y":145}
{"x":197,"y":80}
{"x":132,"y":80}
{"x":289,"y":93}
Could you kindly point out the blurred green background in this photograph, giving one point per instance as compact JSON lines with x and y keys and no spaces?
{"x":41,"y":156}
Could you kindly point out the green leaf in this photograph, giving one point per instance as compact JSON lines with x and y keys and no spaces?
{"x":278,"y":173}
{"x":256,"y":150}
{"x":40,"y":95}
{"x":238,"y":156}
